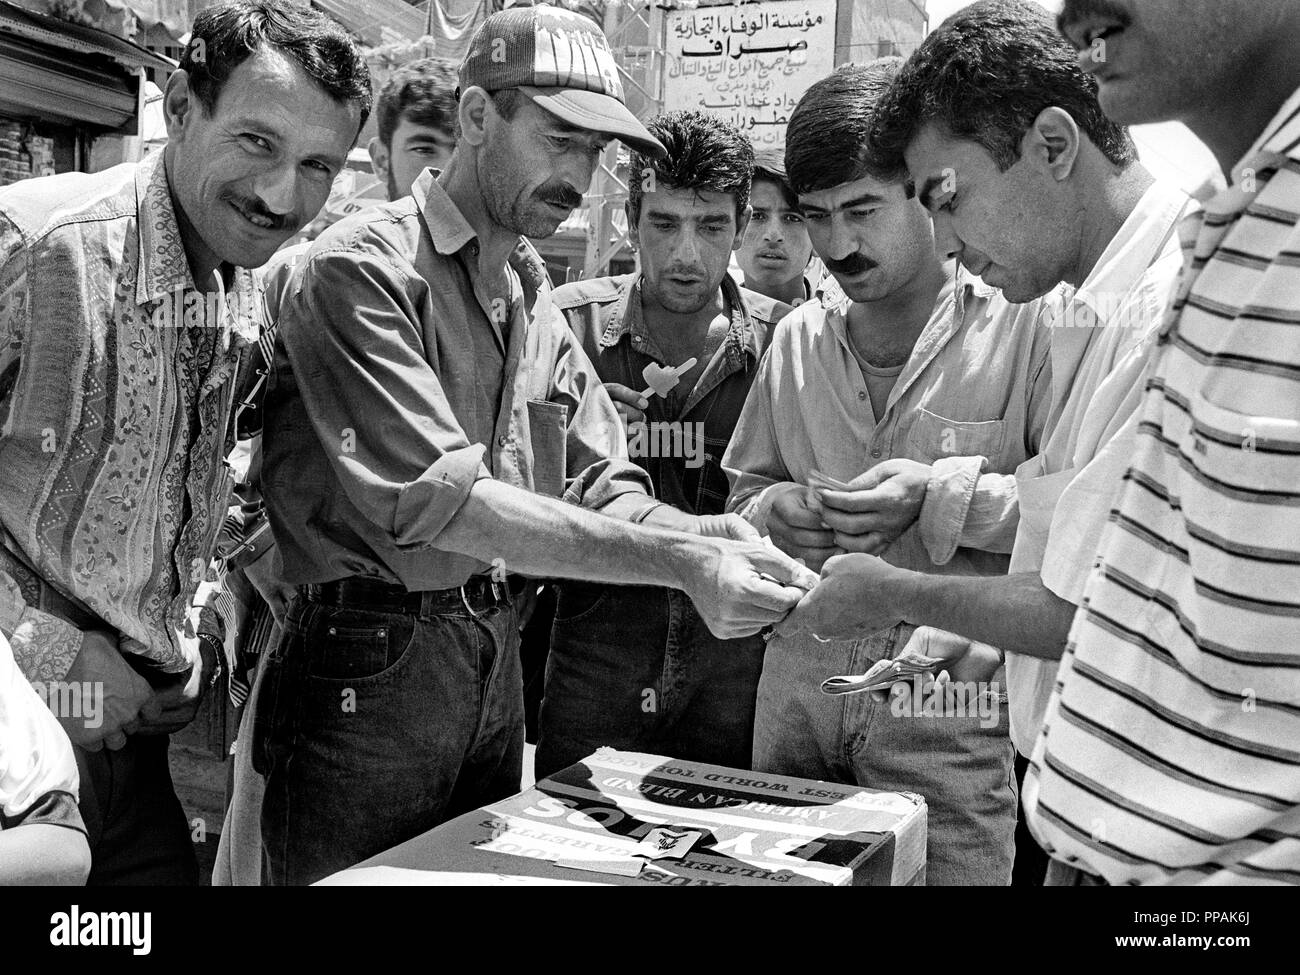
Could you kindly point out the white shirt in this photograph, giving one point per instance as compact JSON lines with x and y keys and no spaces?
{"x":35,"y":754}
{"x":1100,"y":347}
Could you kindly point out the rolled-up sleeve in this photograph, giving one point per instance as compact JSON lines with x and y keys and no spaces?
{"x":1082,"y":513}
{"x":352,"y":335}
{"x":967,"y":508}
{"x":597,"y":469}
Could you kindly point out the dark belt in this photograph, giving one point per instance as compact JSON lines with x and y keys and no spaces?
{"x":478,"y":595}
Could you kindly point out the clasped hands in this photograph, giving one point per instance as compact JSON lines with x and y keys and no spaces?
{"x":841,"y":534}
{"x":811,"y":531}
{"x":128,"y":704}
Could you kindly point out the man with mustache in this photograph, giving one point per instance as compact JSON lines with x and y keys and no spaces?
{"x":415,"y":116}
{"x":1169,"y":751}
{"x":1029,"y":184}
{"x":432,"y":425}
{"x":906,"y":367}
{"x":635,"y":667}
{"x":126,"y":315}
{"x":775,"y":256}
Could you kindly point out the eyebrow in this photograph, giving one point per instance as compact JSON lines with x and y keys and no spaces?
{"x":928,"y":189}
{"x":847,"y":204}
{"x":706,"y":218}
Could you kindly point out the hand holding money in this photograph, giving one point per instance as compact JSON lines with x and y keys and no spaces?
{"x":851,"y":601}
{"x":869,"y":512}
{"x":930,"y":654}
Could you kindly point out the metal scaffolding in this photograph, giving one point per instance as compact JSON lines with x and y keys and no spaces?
{"x":635,"y":31}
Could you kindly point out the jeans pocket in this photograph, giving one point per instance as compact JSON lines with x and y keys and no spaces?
{"x":575,"y":600}
{"x":351,"y":646}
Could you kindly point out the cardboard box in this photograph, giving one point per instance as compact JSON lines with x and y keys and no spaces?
{"x":758,"y":830}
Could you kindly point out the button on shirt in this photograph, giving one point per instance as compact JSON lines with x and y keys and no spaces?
{"x":607,"y":317}
{"x":399,"y":382}
{"x":117,"y":384}
{"x":1170,"y":751}
{"x":977,"y":383}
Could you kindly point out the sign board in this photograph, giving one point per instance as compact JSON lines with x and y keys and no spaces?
{"x":748,"y":63}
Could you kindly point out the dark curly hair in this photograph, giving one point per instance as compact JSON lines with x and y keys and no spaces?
{"x":225,"y":35}
{"x":826,"y":139}
{"x":423,"y":92}
{"x":704,"y":153}
{"x":984,"y":75}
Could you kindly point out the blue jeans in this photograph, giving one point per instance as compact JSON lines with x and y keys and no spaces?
{"x":634,"y":667}
{"x":959,"y":761}
{"x":373,"y":727}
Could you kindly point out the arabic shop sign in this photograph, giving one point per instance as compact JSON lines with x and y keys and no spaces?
{"x":749,"y":63}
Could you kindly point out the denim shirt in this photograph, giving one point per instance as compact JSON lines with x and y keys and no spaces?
{"x":606,"y":315}
{"x":116,"y":394}
{"x":398,"y":384}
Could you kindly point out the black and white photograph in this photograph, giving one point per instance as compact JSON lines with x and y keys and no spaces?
{"x":766,"y":443}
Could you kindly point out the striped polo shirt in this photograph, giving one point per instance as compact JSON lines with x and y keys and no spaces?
{"x":1171,"y":747}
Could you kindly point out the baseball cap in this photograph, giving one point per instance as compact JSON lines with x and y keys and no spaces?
{"x":561,"y":60}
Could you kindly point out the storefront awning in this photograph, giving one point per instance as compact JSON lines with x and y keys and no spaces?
{"x":69,"y":73}
{"x":52,"y":31}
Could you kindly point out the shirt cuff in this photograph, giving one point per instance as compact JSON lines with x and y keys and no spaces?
{"x":425,"y":506}
{"x":759,"y":506}
{"x":948,"y":496}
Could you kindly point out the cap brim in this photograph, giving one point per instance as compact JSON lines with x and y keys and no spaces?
{"x":596,"y":112}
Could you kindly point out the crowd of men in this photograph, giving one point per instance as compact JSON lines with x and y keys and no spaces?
{"x":982,"y":393}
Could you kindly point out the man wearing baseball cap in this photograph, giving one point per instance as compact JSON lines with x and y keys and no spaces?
{"x":429,"y":416}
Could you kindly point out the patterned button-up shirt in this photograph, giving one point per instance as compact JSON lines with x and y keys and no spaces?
{"x":117,"y":381}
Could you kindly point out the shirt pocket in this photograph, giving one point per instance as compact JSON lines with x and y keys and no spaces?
{"x":933,"y":437}
{"x":548,"y":430}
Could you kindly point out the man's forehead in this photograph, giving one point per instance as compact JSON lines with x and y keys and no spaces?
{"x":866,"y":189}
{"x":774,"y":195}
{"x":411,"y":131}
{"x":934,"y":148}
{"x":556,"y":124}
{"x":269,"y":90}
{"x":683,"y":200}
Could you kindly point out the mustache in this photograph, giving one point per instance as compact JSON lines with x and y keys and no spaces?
{"x":684,"y":271}
{"x":851,"y":265}
{"x":561,"y":195}
{"x":1075,"y":11}
{"x":279,"y":221}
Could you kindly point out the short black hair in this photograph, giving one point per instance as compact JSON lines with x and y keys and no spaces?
{"x":826,"y":141}
{"x":984,"y":75}
{"x":704,"y":153}
{"x":769,"y":166}
{"x":423,"y":92}
{"x":225,"y":35}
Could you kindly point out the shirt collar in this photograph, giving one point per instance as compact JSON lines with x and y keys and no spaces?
{"x":164,"y":270}
{"x":448,"y":228}
{"x":627,"y":319}
{"x":1137,"y":244}
{"x":163,"y":265}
